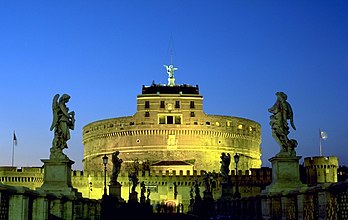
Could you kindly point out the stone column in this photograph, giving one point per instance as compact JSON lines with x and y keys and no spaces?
{"x":71,"y":209}
{"x":327,"y":206}
{"x":300,"y":206}
{"x":18,"y":208}
{"x":40,"y":208}
{"x":56,"y":207}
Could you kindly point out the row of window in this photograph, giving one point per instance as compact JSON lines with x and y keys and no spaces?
{"x":147,"y":114}
{"x":169,"y":119}
{"x":163,"y":104}
{"x":175,"y":120}
{"x":20,"y":179}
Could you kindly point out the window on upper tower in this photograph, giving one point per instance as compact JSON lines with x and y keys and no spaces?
{"x":147,"y":104}
{"x":161,"y":119}
{"x":192,"y":114}
{"x":192,"y":104}
{"x":177,"y":119}
{"x":162,"y":104}
{"x":170,"y":120}
{"x":147,"y":114}
{"x":177,"y":104}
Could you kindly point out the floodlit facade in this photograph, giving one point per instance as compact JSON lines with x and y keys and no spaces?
{"x":170,"y":125}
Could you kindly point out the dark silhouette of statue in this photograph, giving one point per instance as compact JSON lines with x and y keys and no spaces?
{"x":191,"y":193}
{"x":175,"y":190}
{"x":142,"y":192}
{"x":197,"y":191}
{"x":134,"y":179}
{"x":116,"y":168}
{"x":281,"y":113}
{"x":148,"y":194}
{"x":225,"y":166}
{"x":63,"y":121}
{"x":207,"y":180}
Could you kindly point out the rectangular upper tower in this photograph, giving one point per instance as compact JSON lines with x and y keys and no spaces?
{"x":165,"y":104}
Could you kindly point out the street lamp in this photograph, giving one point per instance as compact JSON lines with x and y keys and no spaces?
{"x":236,"y":160}
{"x":105,"y":162}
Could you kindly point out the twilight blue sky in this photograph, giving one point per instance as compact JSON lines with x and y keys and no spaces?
{"x":239,"y":52}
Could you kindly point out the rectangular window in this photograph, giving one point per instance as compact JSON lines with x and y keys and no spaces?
{"x":192,"y":114}
{"x":177,"y":104}
{"x":169,"y":120}
{"x":147,"y":104}
{"x":162,"y":119}
{"x":162,"y":104}
{"x":147,"y":114}
{"x":177,"y":119}
{"x":192,"y":104}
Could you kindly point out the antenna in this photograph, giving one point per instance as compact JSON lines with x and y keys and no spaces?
{"x":171,"y":48}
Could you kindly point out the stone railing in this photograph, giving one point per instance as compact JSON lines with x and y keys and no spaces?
{"x":22,"y":203}
{"x":325,"y":201}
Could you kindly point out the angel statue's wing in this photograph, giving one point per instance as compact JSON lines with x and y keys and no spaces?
{"x":55,"y":108}
{"x":290,"y":115}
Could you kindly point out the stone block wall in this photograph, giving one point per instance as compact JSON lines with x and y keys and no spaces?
{"x":201,"y":141}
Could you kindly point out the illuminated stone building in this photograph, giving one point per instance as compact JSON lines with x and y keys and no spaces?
{"x":170,"y":125}
{"x":175,"y":137}
{"x":321,"y":169}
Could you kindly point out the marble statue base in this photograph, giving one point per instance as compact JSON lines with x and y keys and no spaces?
{"x":285,"y":174}
{"x":133,"y":197}
{"x":226,"y":191}
{"x":207,"y":195}
{"x":57,"y":177}
{"x":142,"y":199}
{"x":115,"y":191}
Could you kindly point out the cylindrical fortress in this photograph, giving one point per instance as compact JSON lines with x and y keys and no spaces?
{"x":170,"y":125}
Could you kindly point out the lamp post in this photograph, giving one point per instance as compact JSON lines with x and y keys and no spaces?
{"x":236,"y":160}
{"x":105,"y":162}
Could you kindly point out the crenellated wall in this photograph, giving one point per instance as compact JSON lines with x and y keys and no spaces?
{"x":161,"y":184}
{"x":321,"y":169}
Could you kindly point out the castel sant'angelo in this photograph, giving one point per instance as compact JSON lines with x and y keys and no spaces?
{"x":170,"y":128}
{"x":177,"y":141}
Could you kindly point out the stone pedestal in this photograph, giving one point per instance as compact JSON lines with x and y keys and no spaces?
{"x":142,"y":199}
{"x":285,"y":174}
{"x":226,"y":191}
{"x":207,"y":195}
{"x":57,"y":177}
{"x":115,"y":191}
{"x":133,"y":197}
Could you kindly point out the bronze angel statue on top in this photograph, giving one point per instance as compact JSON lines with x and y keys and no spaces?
{"x":63,"y":121}
{"x":281,"y":113}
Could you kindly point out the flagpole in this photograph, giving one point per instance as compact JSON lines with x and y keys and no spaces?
{"x":320,"y":146}
{"x":13,"y":148}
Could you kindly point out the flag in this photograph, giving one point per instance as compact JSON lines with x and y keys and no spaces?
{"x":14,"y":139}
{"x":323,"y":135}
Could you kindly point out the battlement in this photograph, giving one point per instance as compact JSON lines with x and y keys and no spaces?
{"x":175,"y":89}
{"x":35,"y":174}
{"x":321,"y":162}
{"x":321,"y":169}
